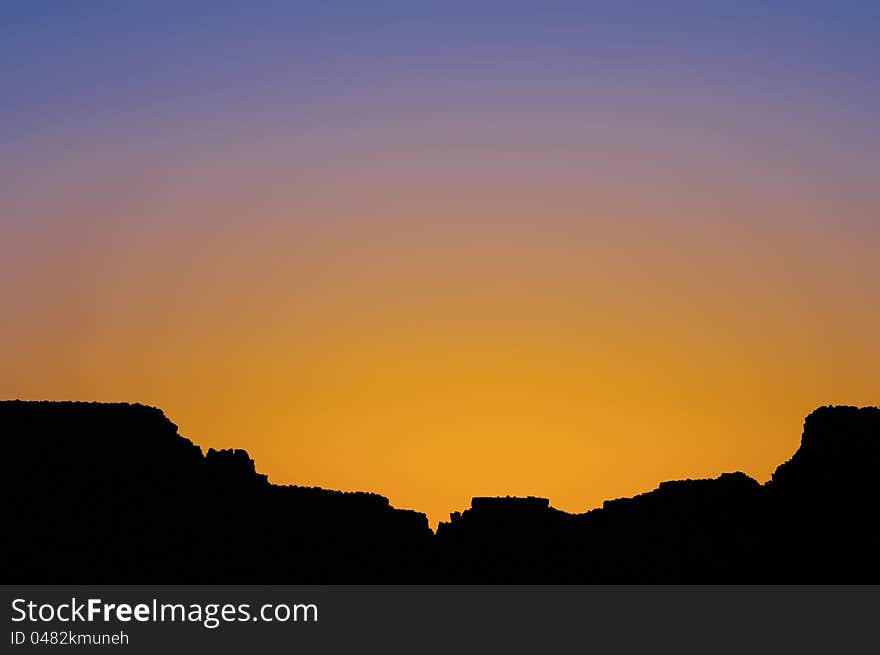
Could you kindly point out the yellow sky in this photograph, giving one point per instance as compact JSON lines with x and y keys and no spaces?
{"x":580,"y":361}
{"x":561,"y":294}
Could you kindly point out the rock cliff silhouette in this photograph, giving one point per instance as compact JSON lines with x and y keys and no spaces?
{"x":111,"y":493}
{"x":101,"y":493}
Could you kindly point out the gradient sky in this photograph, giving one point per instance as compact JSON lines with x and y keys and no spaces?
{"x":437,"y":250}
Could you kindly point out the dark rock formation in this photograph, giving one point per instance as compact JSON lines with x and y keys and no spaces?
{"x":98,"y":493}
{"x":691,"y":530}
{"x":823,"y":505}
{"x":815,"y":521}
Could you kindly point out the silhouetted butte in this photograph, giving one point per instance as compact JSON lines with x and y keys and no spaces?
{"x":111,"y":493}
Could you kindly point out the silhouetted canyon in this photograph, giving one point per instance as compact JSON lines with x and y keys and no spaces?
{"x":111,"y":493}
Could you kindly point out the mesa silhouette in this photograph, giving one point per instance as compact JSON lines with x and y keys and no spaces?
{"x":111,"y":493}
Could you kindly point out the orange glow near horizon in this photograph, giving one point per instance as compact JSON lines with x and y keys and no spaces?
{"x":570,"y":295}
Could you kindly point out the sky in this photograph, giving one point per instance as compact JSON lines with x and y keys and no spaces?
{"x":438,"y":250}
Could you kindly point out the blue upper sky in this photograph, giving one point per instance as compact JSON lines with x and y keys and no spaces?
{"x":66,"y":58}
